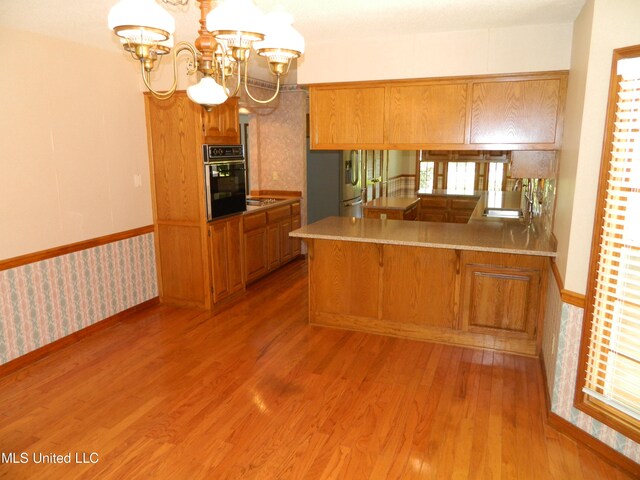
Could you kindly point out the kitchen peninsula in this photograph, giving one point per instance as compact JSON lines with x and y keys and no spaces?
{"x":478,"y":284}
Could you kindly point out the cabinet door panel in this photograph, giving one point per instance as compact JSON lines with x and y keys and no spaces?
{"x":347,"y":116}
{"x":234,"y":254}
{"x":285,"y":242}
{"x":427,"y":114}
{"x":175,"y":142}
{"x":221,"y":123}
{"x":255,"y":253}
{"x":219,"y":263}
{"x":182,"y":263}
{"x":429,"y":299}
{"x":296,"y":246}
{"x":347,"y":279}
{"x":273,"y":249}
{"x":515,"y":112}
{"x":501,"y":293}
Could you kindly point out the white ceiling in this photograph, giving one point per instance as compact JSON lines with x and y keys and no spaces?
{"x":85,"y":21}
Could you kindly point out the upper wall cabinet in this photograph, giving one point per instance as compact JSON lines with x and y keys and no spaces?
{"x":221,"y":124}
{"x":346,"y":116}
{"x":420,"y":114}
{"x":491,"y":112}
{"x":517,"y":112}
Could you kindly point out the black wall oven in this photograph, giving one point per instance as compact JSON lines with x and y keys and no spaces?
{"x":225,"y":180}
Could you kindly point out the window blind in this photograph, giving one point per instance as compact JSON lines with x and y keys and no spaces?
{"x":613,"y":359}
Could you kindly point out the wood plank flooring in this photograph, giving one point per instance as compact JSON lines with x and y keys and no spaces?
{"x":255,"y":392}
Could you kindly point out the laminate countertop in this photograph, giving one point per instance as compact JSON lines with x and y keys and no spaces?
{"x":516,"y":236}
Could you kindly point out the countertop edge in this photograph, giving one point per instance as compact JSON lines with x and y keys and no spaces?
{"x":449,"y":246}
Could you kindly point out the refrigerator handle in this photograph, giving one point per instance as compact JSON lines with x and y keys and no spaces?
{"x":355,"y":168}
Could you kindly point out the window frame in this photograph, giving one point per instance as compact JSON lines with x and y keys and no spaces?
{"x":606,"y":414}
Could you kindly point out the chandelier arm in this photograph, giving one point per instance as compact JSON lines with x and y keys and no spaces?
{"x":246,"y":88}
{"x":191,"y":68}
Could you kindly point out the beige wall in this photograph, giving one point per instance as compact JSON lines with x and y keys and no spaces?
{"x":402,"y":162}
{"x":472,"y":52}
{"x":602,"y":26}
{"x":72,"y":133}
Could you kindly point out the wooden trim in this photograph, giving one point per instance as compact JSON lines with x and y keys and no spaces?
{"x":455,"y":79}
{"x":567,"y":428}
{"x":573,"y":298}
{"x":402,"y":175}
{"x":46,"y":350}
{"x":275,"y":193}
{"x":625,"y":426}
{"x":72,"y":247}
{"x":567,"y":296}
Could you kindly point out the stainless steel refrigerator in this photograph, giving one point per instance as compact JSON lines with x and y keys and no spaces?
{"x":351,"y":173}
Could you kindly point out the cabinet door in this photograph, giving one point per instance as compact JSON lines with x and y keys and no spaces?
{"x":429,"y":299}
{"x":218,"y":241}
{"x":347,"y":117}
{"x":501,"y":293}
{"x":234,"y":254}
{"x":427,"y":114}
{"x":221,"y":123}
{"x":517,"y":112}
{"x":255,"y":253}
{"x":285,"y":241}
{"x":273,"y":246}
{"x":296,"y":246}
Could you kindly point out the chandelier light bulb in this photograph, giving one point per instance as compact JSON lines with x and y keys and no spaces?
{"x":282,"y":40}
{"x":141,"y":21}
{"x":207,"y":92}
{"x":238,"y":22}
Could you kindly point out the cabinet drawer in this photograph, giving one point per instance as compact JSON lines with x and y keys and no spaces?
{"x":278,"y":213}
{"x":433,"y":202}
{"x":253,"y":221}
{"x":295,"y":208}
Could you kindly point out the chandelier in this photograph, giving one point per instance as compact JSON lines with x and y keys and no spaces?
{"x":227,"y":35}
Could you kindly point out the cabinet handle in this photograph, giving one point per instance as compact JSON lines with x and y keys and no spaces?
{"x":457,"y":262}
{"x":381,"y":255}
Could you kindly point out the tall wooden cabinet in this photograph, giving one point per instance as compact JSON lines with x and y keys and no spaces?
{"x":176,"y":130}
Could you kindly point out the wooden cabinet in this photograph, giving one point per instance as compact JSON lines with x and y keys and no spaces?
{"x":176,"y":130}
{"x":409,"y":213}
{"x":446,"y":208}
{"x":434,"y":114}
{"x":524,"y":112}
{"x":502,"y":293}
{"x":479,"y":299}
{"x":347,"y":117}
{"x":221,"y":124}
{"x":491,"y":112}
{"x":225,"y":247}
{"x":296,"y":222}
{"x":267,"y":245}
{"x":255,"y":245}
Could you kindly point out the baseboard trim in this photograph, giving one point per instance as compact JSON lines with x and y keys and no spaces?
{"x":46,"y":350}
{"x":567,"y":428}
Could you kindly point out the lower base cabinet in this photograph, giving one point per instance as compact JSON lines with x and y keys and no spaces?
{"x":225,"y":237}
{"x":267,"y":244}
{"x":478,"y":299}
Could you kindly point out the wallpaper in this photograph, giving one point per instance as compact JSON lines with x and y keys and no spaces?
{"x":44,"y":301}
{"x":566,"y":365}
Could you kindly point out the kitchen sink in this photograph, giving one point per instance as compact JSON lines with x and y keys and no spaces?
{"x":502,"y":213}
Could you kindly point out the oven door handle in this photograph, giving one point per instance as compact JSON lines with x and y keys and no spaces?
{"x":225,"y":162}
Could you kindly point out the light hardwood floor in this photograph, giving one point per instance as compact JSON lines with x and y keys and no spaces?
{"x":254,"y":392}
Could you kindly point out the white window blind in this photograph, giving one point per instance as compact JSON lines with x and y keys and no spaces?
{"x":613,"y":362}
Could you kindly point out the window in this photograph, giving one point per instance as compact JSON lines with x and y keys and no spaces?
{"x":462,"y":172}
{"x":608,"y":387}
